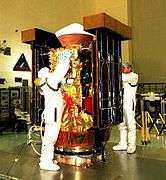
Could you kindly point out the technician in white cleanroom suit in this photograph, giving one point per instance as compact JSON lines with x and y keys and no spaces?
{"x":128,"y":126}
{"x":53,"y":108}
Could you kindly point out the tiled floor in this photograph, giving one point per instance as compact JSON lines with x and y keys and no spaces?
{"x":18,"y":161}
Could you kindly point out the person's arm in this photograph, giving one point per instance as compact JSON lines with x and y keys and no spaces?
{"x":56,"y":77}
{"x":62,"y":67}
{"x":130,"y":78}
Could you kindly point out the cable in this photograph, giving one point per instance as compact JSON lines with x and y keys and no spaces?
{"x":32,"y":130}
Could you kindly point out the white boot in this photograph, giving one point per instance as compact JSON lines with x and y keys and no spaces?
{"x":46,"y":159}
{"x":120,"y":147}
{"x":47,"y":155}
{"x":49,"y":167}
{"x":131,"y":148}
{"x":47,"y":152}
{"x":123,"y":141}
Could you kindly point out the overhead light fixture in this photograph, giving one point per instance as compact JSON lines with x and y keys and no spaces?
{"x":4,"y":49}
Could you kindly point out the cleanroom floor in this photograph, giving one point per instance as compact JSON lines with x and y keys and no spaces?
{"x":19,"y":161}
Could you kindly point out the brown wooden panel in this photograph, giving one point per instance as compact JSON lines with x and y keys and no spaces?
{"x":28,"y":35}
{"x":40,"y":37}
{"x":103,"y":20}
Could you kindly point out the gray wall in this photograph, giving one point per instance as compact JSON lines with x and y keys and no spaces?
{"x":148,"y":45}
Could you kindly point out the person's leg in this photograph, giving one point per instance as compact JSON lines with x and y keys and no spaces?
{"x":47,"y":151}
{"x":50,"y":136}
{"x":131,"y":148}
{"x":131,"y":124}
{"x":122,"y":145}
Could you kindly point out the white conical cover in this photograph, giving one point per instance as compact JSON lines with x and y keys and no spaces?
{"x":74,"y":28}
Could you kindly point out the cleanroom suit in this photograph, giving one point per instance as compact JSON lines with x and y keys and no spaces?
{"x":54,"y":105}
{"x":128,"y":126}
